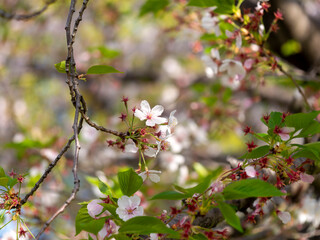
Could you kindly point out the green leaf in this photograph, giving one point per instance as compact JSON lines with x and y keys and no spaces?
{"x":153,"y":6}
{"x":309,"y":150}
{"x":102,"y":69}
{"x":61,"y":67}
{"x":101,"y":185}
{"x":121,"y":237}
{"x":300,"y":120}
{"x":263,"y":137}
{"x":107,"y":52}
{"x":2,"y":172}
{"x":205,"y":183}
{"x":170,"y":195}
{"x":312,"y":129}
{"x":250,"y":188}
{"x":111,"y":208}
{"x":12,"y":182}
{"x":146,"y":225}
{"x":85,"y":222}
{"x":230,"y":216}
{"x":257,"y":152}
{"x":275,"y":120}
{"x":4,"y":181}
{"x":198,"y":237}
{"x":223,"y":6}
{"x":129,"y":181}
{"x":290,"y":47}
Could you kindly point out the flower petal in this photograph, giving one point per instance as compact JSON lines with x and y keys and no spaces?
{"x":123,"y":202}
{"x":145,"y":107}
{"x":143,"y":175}
{"x":306,"y":178}
{"x":157,"y":110}
{"x":150,"y":152}
{"x":139,"y":114}
{"x":285,"y":217}
{"x":159,"y":120}
{"x":135,"y":200}
{"x":130,"y":147}
{"x":154,"y":178}
{"x":94,"y":208}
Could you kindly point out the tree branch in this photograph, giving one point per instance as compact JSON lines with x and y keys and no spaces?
{"x":25,"y":17}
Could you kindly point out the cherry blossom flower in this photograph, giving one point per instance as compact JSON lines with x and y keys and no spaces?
{"x":309,"y":211}
{"x":130,"y":147}
{"x":151,"y":115}
{"x":151,"y":174}
{"x":171,"y":161}
{"x":108,"y":229}
{"x":152,"y":152}
{"x":250,"y":171}
{"x":306,"y":178}
{"x":284,"y":132}
{"x":233,"y":68}
{"x":217,"y":187}
{"x":210,"y":22}
{"x":129,"y":207}
{"x":94,"y":208}
{"x":285,"y":217}
{"x":154,"y":236}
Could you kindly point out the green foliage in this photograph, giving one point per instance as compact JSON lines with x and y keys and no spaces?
{"x":170,"y":195}
{"x":61,"y":66}
{"x":230,"y":216}
{"x":300,"y":120}
{"x":146,"y":225}
{"x":153,"y":6}
{"x":84,"y":222}
{"x":107,"y":52}
{"x":257,"y":152}
{"x":102,"y":69}
{"x":290,"y":47}
{"x":129,"y":181}
{"x":223,"y":6}
{"x":101,"y":185}
{"x":250,"y":188}
{"x":309,"y":150}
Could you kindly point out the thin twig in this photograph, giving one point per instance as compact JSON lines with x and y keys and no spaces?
{"x":47,"y":171}
{"x":24,"y":17}
{"x":297,"y":86}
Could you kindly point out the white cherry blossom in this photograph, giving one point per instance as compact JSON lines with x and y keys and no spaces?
{"x":285,"y":217}
{"x":233,"y":68}
{"x":130,"y":147}
{"x":129,"y":207}
{"x":153,"y":175}
{"x":151,"y":115}
{"x":210,"y":23}
{"x":108,"y":229}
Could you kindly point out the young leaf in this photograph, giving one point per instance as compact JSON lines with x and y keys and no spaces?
{"x":223,"y":6}
{"x":257,"y":152}
{"x":121,"y":237}
{"x":153,"y":6}
{"x":2,"y":172}
{"x":102,"y":69}
{"x":312,"y":129}
{"x":61,"y":67}
{"x":129,"y":181}
{"x":300,"y":120}
{"x":170,"y":195}
{"x":146,"y":225}
{"x":12,"y":182}
{"x":85,"y":222}
{"x":230,"y":216}
{"x":250,"y":188}
{"x":274,"y":120}
{"x":4,"y":181}
{"x":111,"y":208}
{"x":310,"y":150}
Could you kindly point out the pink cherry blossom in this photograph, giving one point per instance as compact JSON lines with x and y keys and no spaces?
{"x":306,"y":178}
{"x":129,"y":207}
{"x":130,"y":147}
{"x":151,"y":115}
{"x":250,"y":171}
